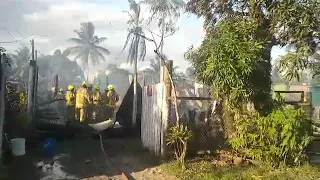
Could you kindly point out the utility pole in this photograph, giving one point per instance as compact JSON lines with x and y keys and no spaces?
{"x":36,"y":55}
{"x":36,"y":80}
{"x":2,"y":94}
{"x":32,"y":46}
{"x":31,"y":84}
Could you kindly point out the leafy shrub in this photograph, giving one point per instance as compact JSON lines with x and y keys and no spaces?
{"x":178,"y":137}
{"x":280,"y":137}
{"x":16,"y":104}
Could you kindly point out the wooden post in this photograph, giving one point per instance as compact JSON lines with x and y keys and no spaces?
{"x":36,"y":87}
{"x":55,"y":85}
{"x":31,"y":85}
{"x":166,"y":104}
{"x":309,"y":106}
{"x":2,"y":95}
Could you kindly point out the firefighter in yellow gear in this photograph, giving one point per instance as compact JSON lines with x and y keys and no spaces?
{"x":71,"y":101}
{"x":60,"y":94}
{"x":97,"y":102}
{"x":112,"y":98}
{"x":90,"y":105}
{"x":82,"y":102}
{"x":61,"y":103}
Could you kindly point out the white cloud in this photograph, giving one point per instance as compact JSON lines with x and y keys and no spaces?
{"x":53,"y":21}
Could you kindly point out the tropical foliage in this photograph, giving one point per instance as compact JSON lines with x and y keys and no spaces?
{"x":277,"y":21}
{"x":20,"y":63}
{"x":235,"y":60}
{"x":280,"y":137}
{"x":87,"y":48}
{"x":135,"y":42}
{"x":230,"y":69}
{"x":178,"y":137}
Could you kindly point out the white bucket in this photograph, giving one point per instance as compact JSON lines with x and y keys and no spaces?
{"x":18,"y":146}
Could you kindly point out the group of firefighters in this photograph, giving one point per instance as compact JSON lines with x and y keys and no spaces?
{"x":84,"y":103}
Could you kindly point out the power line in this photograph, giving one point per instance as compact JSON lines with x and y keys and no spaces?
{"x":11,"y":42}
{"x":8,"y":33}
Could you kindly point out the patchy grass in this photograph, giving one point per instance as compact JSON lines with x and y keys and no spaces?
{"x":203,"y":169}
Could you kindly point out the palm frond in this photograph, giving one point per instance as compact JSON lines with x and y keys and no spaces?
{"x":81,"y":36}
{"x":98,"y":40}
{"x":143,"y":49}
{"x":85,"y":57}
{"x":130,"y":57}
{"x":102,"y":50}
{"x":94,"y":57}
{"x":129,"y":36}
{"x":97,"y":53}
{"x":72,"y":50}
{"x":87,"y":29}
{"x":76,"y":40}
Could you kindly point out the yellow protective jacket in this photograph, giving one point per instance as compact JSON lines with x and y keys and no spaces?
{"x":70,"y":98}
{"x":112,"y":98}
{"x":96,"y":97}
{"x":82,"y":98}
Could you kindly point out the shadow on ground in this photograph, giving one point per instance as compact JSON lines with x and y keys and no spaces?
{"x":82,"y":158}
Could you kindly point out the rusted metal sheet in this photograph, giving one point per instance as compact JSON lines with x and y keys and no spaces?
{"x":151,"y":118}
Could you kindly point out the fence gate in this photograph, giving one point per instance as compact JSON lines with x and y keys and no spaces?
{"x":151,"y":127}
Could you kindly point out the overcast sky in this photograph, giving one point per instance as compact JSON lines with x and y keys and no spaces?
{"x":51,"y":22}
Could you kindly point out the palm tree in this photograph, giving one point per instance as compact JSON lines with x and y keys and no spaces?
{"x":21,"y":60}
{"x":87,"y":47}
{"x":137,"y":44}
{"x":165,"y":11}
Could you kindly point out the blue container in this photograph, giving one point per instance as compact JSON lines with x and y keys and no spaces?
{"x":50,"y":146}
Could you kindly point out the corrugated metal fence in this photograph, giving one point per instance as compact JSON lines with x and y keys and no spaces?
{"x":151,"y":127}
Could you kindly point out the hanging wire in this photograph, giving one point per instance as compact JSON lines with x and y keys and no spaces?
{"x":15,"y":41}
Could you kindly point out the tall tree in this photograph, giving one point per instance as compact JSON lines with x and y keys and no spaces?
{"x":165,"y":12}
{"x":21,"y":59}
{"x":278,"y":22}
{"x":136,"y":44}
{"x":87,"y":49}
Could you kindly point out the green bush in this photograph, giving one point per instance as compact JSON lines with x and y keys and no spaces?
{"x":178,"y":137}
{"x":280,"y":137}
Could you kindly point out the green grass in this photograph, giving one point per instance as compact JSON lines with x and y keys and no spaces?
{"x":204,"y":170}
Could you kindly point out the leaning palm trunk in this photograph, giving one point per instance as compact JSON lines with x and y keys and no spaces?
{"x":135,"y":78}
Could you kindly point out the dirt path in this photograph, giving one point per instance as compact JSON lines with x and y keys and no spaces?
{"x":82,"y":158}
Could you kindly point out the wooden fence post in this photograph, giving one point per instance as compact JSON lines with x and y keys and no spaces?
{"x":309,"y":110}
{"x":166,"y":104}
{"x":2,"y":96}
{"x":31,"y":86}
{"x":35,"y":93}
{"x":55,"y":85}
